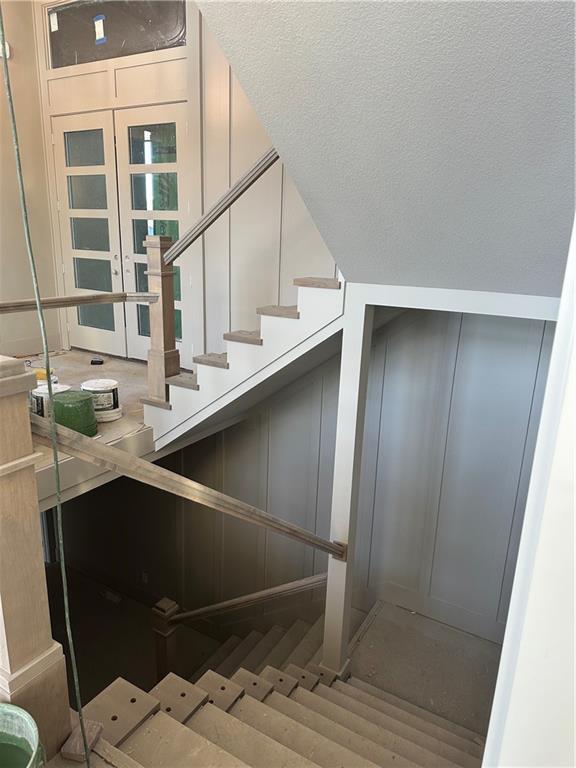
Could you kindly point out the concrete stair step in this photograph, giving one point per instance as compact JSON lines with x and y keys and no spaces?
{"x":345,"y":737}
{"x":248,"y":744}
{"x":425,"y":714}
{"x":308,"y":646}
{"x":254,"y":685}
{"x":397,"y":727}
{"x":285,"y":645}
{"x":162,"y":742}
{"x":217,"y":657}
{"x":184,"y":380}
{"x":213,"y":359}
{"x":412,"y":720}
{"x":277,"y":310}
{"x":236,"y":658}
{"x":222,"y":691}
{"x":244,"y":337}
{"x":178,"y":698}
{"x":312,"y":747}
{"x":121,"y":708}
{"x":369,"y":730}
{"x":253,"y":659}
{"x":318,"y":282}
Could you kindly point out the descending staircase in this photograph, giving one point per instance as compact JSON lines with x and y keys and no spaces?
{"x":263,"y":701}
{"x":253,"y":357}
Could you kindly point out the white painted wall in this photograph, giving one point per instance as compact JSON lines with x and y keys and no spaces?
{"x":453,"y":405}
{"x":20,"y":333}
{"x":533,"y":715}
{"x":432,"y":142}
{"x":253,"y":253}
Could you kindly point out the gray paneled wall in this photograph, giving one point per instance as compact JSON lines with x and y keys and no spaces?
{"x":452,"y":414}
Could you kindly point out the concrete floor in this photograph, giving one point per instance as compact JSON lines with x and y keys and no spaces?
{"x":435,"y":666}
{"x":73,"y":367}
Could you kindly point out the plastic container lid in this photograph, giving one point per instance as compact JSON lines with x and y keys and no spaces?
{"x":99,"y":385}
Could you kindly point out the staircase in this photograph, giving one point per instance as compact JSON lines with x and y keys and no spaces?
{"x":226,"y":383}
{"x":263,"y":701}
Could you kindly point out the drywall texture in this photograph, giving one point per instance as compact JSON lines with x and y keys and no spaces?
{"x":453,"y":408}
{"x":431,"y":142}
{"x":20,"y":333}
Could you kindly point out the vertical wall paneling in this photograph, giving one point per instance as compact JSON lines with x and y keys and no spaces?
{"x":516,"y":530}
{"x":415,"y":396}
{"x":202,"y":527}
{"x":304,"y":253}
{"x":254,"y":218}
{"x":245,"y":471}
{"x":195,"y":255}
{"x":293,"y":456}
{"x":452,"y":413}
{"x":216,"y":109}
{"x":493,"y":387}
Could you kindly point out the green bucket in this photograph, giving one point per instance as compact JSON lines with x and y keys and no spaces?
{"x":75,"y":410}
{"x":19,"y":741}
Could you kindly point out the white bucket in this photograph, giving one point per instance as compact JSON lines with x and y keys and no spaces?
{"x":106,"y":400}
{"x":39,"y":403}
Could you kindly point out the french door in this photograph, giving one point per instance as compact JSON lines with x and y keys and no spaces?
{"x":122,"y":175}
{"x":89,"y":233}
{"x":155,"y":178}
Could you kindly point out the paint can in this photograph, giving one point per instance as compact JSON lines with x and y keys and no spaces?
{"x":39,"y":398}
{"x":75,"y":410}
{"x":106,"y":399}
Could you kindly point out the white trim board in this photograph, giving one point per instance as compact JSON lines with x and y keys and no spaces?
{"x":454,"y":300}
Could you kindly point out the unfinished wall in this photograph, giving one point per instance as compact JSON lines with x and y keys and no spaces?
{"x":453,"y":408}
{"x":20,"y":333}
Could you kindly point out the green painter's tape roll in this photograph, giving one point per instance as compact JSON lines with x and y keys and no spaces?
{"x":75,"y":410}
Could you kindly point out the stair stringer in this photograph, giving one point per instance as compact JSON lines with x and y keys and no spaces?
{"x":284,"y":341}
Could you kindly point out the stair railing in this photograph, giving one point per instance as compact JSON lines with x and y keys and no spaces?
{"x":163,"y":357}
{"x":221,"y":206}
{"x":167,"y":617}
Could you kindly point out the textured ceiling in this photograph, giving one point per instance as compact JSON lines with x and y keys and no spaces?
{"x":431,"y":141}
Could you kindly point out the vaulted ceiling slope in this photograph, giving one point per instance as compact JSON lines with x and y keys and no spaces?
{"x":431,"y":141}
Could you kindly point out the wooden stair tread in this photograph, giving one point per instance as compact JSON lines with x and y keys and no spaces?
{"x":184,"y":380}
{"x":253,"y":659}
{"x":221,"y":653}
{"x":235,"y":659}
{"x":402,"y":730}
{"x":178,"y":698}
{"x":244,"y":337}
{"x":215,"y":359}
{"x":335,"y":733}
{"x":421,"y":712}
{"x":242,"y":740}
{"x":318,"y":282}
{"x":308,"y":646}
{"x":367,"y":729}
{"x":299,"y":738}
{"x":285,"y":646}
{"x":277,"y":310}
{"x":409,"y":719}
{"x":162,"y":742}
{"x":121,"y":708}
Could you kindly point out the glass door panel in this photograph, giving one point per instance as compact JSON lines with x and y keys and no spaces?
{"x":89,"y":231}
{"x":155,"y":178}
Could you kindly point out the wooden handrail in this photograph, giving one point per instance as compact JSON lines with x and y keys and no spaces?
{"x":60,"y":302}
{"x":245,"y":601}
{"x":144,"y":471}
{"x":221,"y":205}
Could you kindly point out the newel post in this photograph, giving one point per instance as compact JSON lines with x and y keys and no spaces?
{"x":32,"y":664}
{"x":165,"y":634}
{"x":163,"y":357}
